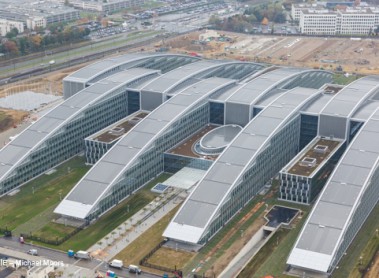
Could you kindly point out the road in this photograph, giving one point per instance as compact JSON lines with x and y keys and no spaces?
{"x":64,"y":57}
{"x":11,"y":247}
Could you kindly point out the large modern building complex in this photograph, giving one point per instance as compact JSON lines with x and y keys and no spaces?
{"x":237,"y":123}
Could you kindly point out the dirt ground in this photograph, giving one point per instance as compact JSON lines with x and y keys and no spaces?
{"x":11,"y":118}
{"x":374,"y":270}
{"x":48,"y":84}
{"x":222,"y":262}
{"x":353,"y":55}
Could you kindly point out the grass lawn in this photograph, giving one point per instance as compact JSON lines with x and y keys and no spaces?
{"x":112,"y":219}
{"x":40,"y":194}
{"x":270,"y":247}
{"x":274,"y":261}
{"x":364,"y":245}
{"x":170,"y":258}
{"x":341,"y":79}
{"x":135,"y":251}
{"x":202,"y":257}
{"x":53,"y":231}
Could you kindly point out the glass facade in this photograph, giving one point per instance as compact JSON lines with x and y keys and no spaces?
{"x":304,"y":189}
{"x":308,"y":129}
{"x":68,"y":140}
{"x":94,"y":150}
{"x":277,"y":153}
{"x":133,"y":101}
{"x":216,"y":113}
{"x":151,"y":163}
{"x":173,"y":163}
{"x":354,"y":128}
{"x":256,"y":110}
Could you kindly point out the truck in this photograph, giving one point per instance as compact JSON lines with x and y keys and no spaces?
{"x":82,"y":255}
{"x":116,"y":264}
{"x":134,"y":269}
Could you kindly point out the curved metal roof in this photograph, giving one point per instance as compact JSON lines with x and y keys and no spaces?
{"x":92,"y":71}
{"x":348,"y":100}
{"x":249,"y":93}
{"x":109,"y":169}
{"x":194,"y":72}
{"x":323,"y":232}
{"x":30,"y":139}
{"x":194,"y":217}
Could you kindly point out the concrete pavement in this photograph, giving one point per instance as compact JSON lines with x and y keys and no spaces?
{"x":140,"y":222}
{"x":252,"y":247}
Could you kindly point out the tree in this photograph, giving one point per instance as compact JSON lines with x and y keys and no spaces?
{"x":279,"y":18}
{"x":11,"y":47}
{"x":214,"y":20}
{"x":23,"y":45}
{"x":35,"y":42}
{"x":12,"y":33}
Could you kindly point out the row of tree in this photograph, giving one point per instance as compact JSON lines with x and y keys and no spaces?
{"x":261,"y":14}
{"x":59,"y":35}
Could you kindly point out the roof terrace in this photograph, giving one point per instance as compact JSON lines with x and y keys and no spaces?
{"x":313,"y":156}
{"x":114,"y":132}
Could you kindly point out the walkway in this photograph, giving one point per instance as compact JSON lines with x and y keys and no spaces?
{"x":131,"y":229}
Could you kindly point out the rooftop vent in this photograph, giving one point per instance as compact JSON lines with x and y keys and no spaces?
{"x":308,"y":162}
{"x":117,"y":131}
{"x":135,"y":120}
{"x":320,"y":149}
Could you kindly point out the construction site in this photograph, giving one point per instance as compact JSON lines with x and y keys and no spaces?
{"x":351,"y":55}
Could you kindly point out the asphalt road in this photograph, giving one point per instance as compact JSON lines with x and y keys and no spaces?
{"x":12,"y":244}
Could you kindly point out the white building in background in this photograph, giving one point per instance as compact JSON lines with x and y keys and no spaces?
{"x":356,"y":21}
{"x":7,"y":25}
{"x":296,"y":9}
{"x":316,"y":22}
{"x":348,"y":21}
{"x":105,"y":6}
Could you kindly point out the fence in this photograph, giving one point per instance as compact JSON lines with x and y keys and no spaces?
{"x":178,"y":273}
{"x":57,"y":241}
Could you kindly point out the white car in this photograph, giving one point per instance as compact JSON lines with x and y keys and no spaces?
{"x":33,"y":252}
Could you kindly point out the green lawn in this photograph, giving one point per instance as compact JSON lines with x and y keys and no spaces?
{"x":273,"y":261}
{"x":53,"y":231}
{"x":364,"y":245}
{"x":341,"y":79}
{"x":270,"y":247}
{"x":140,"y":247}
{"x":40,"y":194}
{"x":203,"y":253}
{"x":112,"y":219}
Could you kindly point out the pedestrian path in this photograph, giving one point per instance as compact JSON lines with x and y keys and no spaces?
{"x":127,"y":232}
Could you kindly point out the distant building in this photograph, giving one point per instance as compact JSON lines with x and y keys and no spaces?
{"x":347,"y":21}
{"x":34,"y":15}
{"x":106,"y":7}
{"x":8,"y":25}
